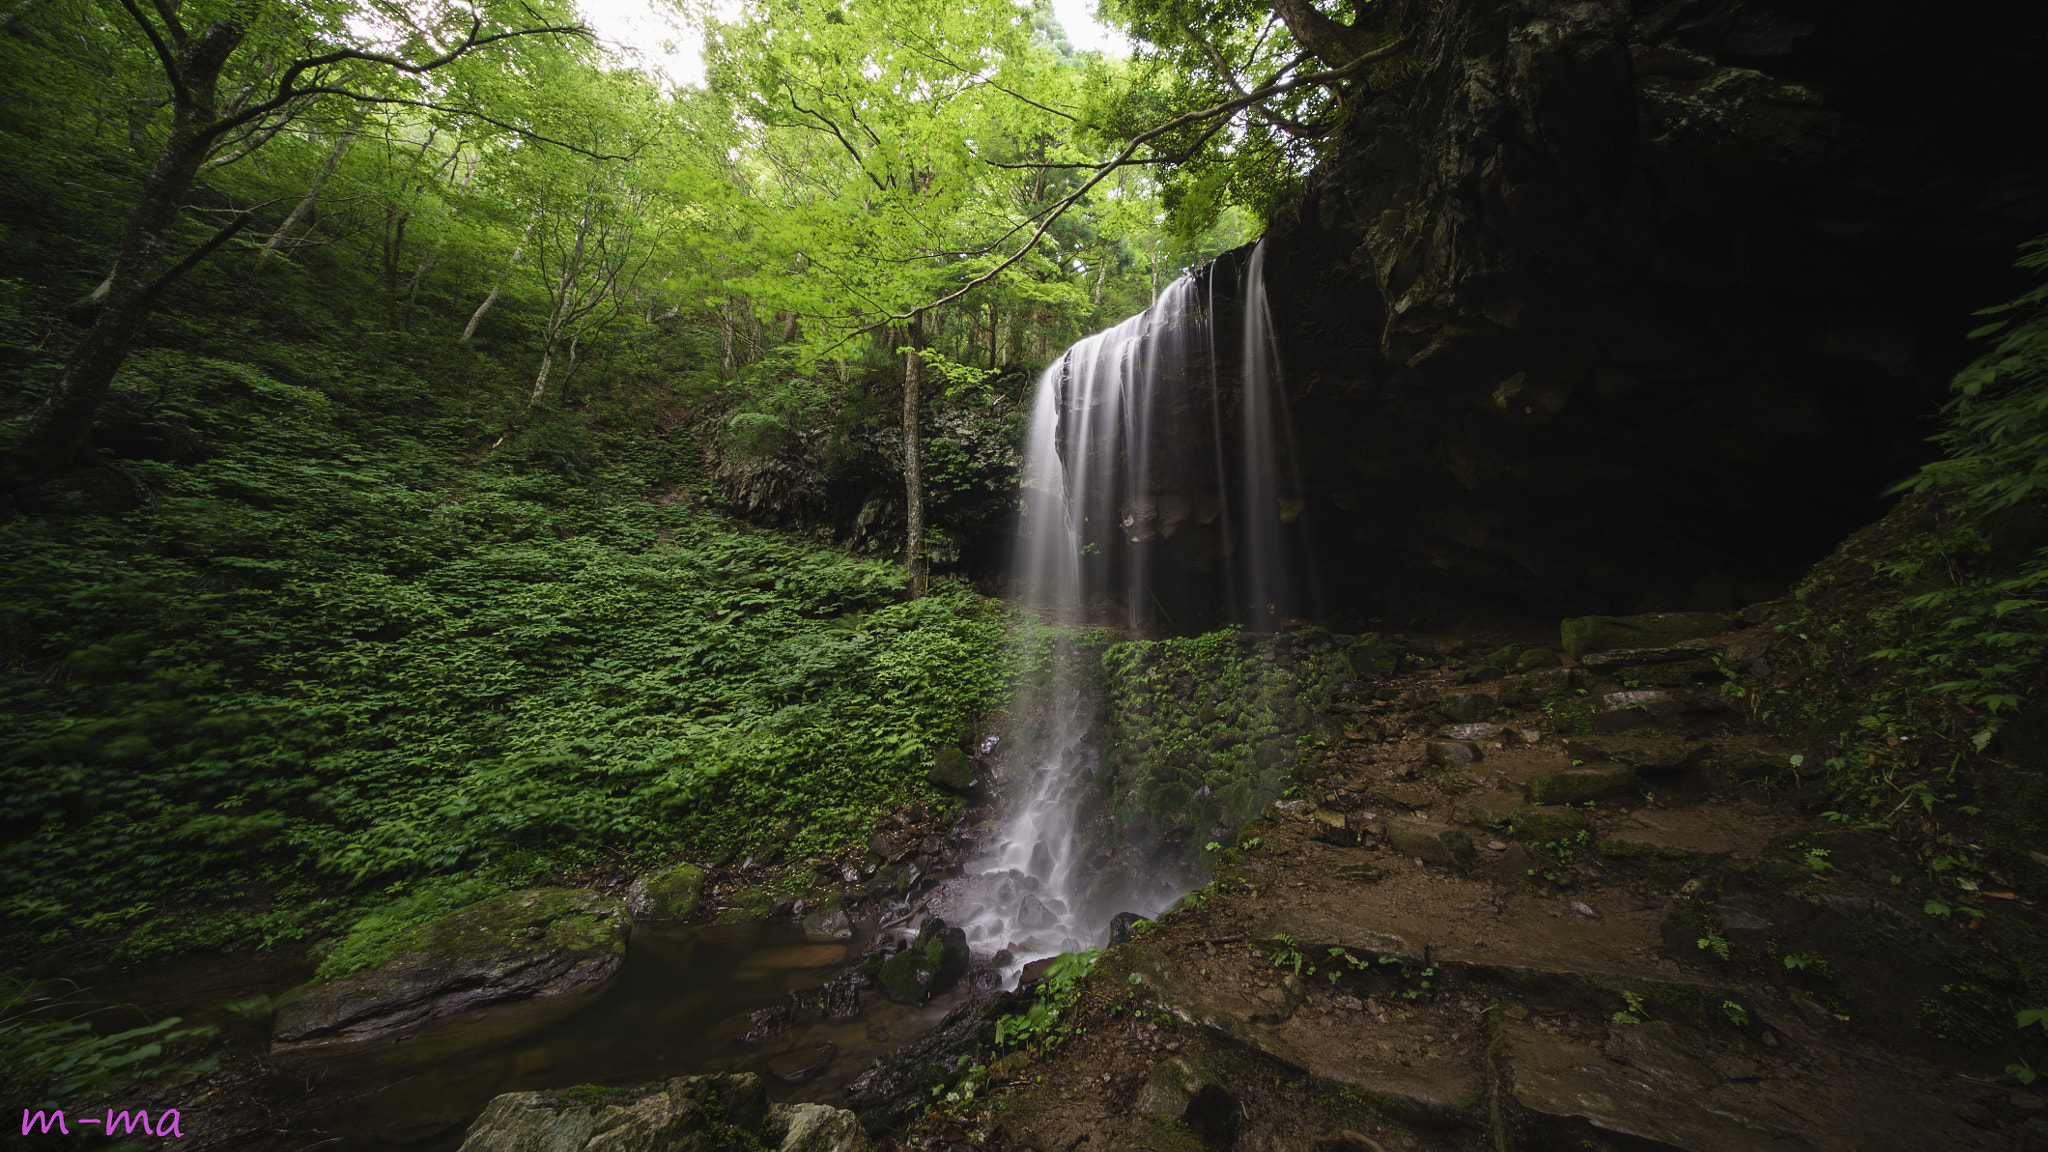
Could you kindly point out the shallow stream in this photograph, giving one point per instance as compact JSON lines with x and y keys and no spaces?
{"x":680,"y":1007}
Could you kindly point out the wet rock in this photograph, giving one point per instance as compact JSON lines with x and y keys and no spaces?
{"x":1472,"y":732}
{"x":1648,"y":755}
{"x":1431,"y":843}
{"x":1512,"y":864}
{"x":1452,"y":753}
{"x":833,"y":1000}
{"x":1578,"y":785}
{"x":1491,"y":808}
{"x":934,"y":962}
{"x":1357,"y":873}
{"x":1650,"y":630}
{"x":1124,"y":926}
{"x":1032,"y":914}
{"x":671,"y":894}
{"x":952,"y":771}
{"x":468,"y":981}
{"x":1178,"y":1094}
{"x":745,"y":904}
{"x":1468,"y":707}
{"x":1642,"y":843}
{"x":689,"y":1112}
{"x":1663,"y":1050}
{"x":1316,"y":931}
{"x":1556,"y":1080}
{"x":803,"y":1065}
{"x":825,"y":928}
{"x":1637,"y":708}
{"x":901,"y":1083}
{"x":1553,"y":824}
{"x":1332,"y":828}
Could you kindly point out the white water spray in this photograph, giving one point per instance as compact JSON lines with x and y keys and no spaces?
{"x":1143,"y":500}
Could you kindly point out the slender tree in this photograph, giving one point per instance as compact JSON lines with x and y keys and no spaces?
{"x":204,"y":131}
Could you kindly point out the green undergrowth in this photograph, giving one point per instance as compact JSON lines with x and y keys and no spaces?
{"x":339,"y":664}
{"x":1915,"y":656}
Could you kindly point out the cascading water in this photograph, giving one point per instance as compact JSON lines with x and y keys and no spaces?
{"x":1155,"y":496}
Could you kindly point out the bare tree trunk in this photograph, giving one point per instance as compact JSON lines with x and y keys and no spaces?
{"x":311,"y":197}
{"x":540,"y":382}
{"x":477,"y":316}
{"x":558,"y":315}
{"x":913,"y":464}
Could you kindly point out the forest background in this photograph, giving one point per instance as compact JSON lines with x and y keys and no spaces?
{"x":362,"y":557}
{"x":365,"y":365}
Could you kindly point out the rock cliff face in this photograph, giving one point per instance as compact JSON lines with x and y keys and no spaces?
{"x":1611,"y":306}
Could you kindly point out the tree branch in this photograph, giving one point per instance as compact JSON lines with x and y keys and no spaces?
{"x":288,"y":89}
{"x":155,"y":287}
{"x":164,"y":54}
{"x":1226,"y":108}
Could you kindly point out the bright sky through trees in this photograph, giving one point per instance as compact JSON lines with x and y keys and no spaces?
{"x":666,"y":44}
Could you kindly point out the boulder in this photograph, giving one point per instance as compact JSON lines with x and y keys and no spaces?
{"x":489,"y":973}
{"x":828,"y":927}
{"x":1534,"y":658}
{"x":1123,"y":927}
{"x":932,"y":964}
{"x":1578,"y":785}
{"x":686,"y":1114}
{"x":952,"y":771}
{"x":1490,"y":808}
{"x":1636,"y":708}
{"x":1431,"y":843}
{"x":1178,"y":1094}
{"x":1332,"y":828}
{"x":1648,"y":755}
{"x":1650,"y":630}
{"x":1452,"y":753}
{"x":675,"y":893}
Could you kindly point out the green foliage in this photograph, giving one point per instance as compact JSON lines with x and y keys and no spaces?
{"x":50,"y":1055}
{"x":1040,"y":1024}
{"x":1634,"y":1013}
{"x":1911,"y":648}
{"x":328,"y":662}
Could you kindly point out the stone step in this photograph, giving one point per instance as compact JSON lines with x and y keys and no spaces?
{"x":1648,"y":755}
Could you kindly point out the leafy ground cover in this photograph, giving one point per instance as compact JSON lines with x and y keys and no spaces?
{"x":335,"y":665}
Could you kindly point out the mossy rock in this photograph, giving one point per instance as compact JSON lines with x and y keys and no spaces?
{"x":952,"y":771}
{"x":1578,"y":785}
{"x":1585,"y":634}
{"x":1534,"y":658}
{"x":1541,"y":824}
{"x":491,"y":972}
{"x":674,"y":894}
{"x":934,"y":962}
{"x":746,"y":904}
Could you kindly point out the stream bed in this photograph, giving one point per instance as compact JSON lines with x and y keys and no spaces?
{"x":680,"y":1007}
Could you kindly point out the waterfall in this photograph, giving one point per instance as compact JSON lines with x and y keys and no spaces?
{"x":1158,"y":495}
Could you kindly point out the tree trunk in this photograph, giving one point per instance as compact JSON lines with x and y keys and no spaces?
{"x":913,"y":464}
{"x":61,"y":429}
{"x":311,"y":197}
{"x":477,"y":316}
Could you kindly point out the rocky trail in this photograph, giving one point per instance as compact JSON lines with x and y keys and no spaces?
{"x":1483,"y":933}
